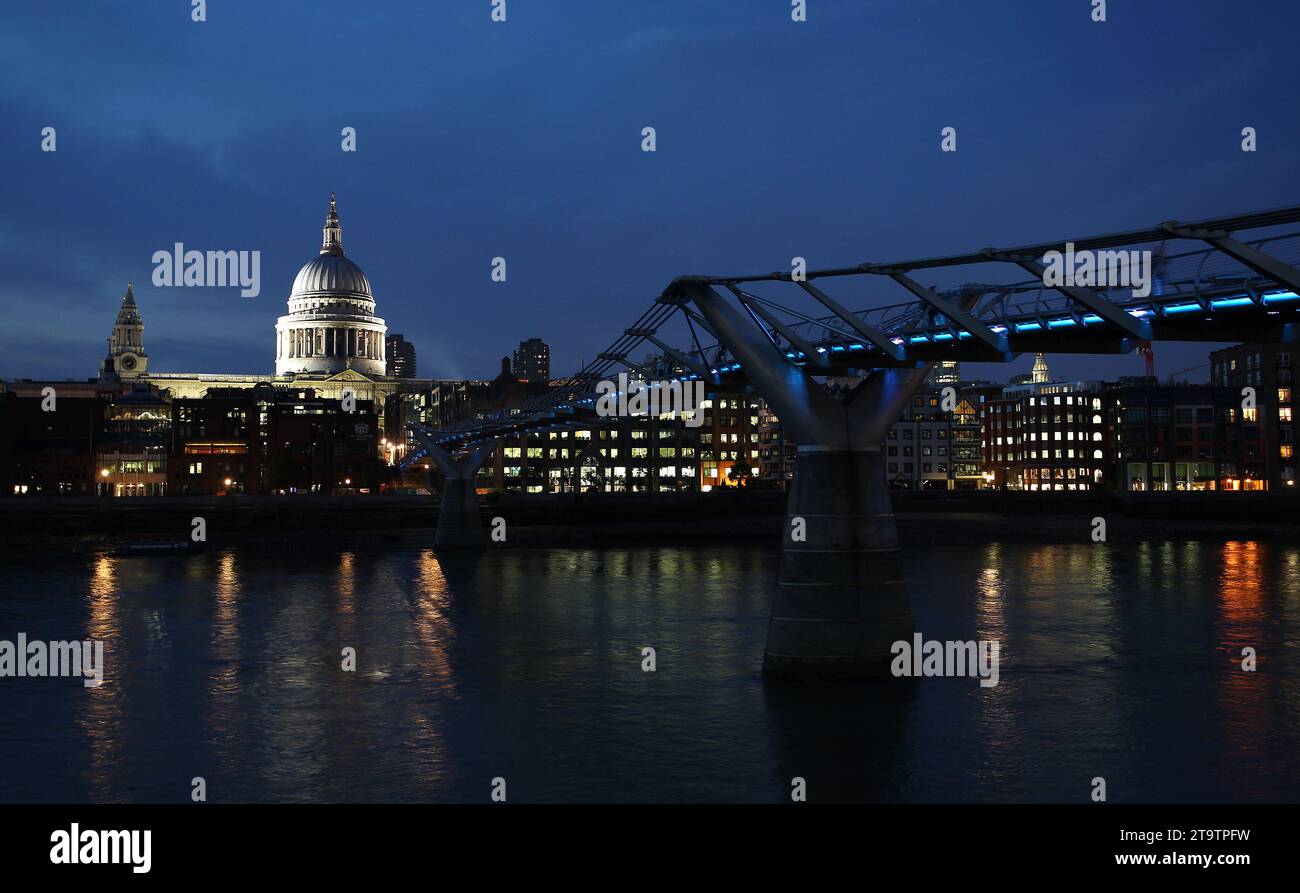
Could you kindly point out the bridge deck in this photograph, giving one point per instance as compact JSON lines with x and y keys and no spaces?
{"x":1229,"y":291}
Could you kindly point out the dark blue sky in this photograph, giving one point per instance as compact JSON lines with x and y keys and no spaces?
{"x":522,"y":140}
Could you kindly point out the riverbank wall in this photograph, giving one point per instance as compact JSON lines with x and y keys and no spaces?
{"x":598,"y":519}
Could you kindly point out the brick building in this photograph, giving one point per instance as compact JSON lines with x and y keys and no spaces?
{"x":1185,"y":437}
{"x":216,"y":445}
{"x":51,"y":437}
{"x":1269,"y":369}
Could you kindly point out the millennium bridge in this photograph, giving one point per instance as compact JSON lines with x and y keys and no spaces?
{"x":841,"y":599}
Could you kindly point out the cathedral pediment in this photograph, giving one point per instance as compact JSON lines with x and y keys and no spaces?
{"x":345,"y":375}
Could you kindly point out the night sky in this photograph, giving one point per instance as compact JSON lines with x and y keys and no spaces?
{"x":523,"y":140}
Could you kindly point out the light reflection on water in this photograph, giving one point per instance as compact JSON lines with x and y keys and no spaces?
{"x":1118,"y":660}
{"x":100,"y":717}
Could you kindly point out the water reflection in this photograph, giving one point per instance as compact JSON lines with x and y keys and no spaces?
{"x":346,"y":584}
{"x":224,"y":717}
{"x":849,"y":743}
{"x":433,"y":627}
{"x":1117,"y":659}
{"x":1244,"y":699}
{"x":995,"y":714}
{"x":101,"y":719}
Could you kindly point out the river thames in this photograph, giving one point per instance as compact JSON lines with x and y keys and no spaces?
{"x":1120,"y":661}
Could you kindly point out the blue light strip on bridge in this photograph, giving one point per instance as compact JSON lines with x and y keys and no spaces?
{"x":1232,"y":302}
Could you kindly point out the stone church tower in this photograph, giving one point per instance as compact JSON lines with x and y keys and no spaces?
{"x":126,"y":345}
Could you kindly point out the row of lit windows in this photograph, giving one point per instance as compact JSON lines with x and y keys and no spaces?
{"x":926,"y":468}
{"x":925,"y":451}
{"x":618,"y":472}
{"x":1014,"y":455}
{"x":1008,"y":439}
{"x":1066,"y":401}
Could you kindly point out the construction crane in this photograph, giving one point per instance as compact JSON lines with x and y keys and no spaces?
{"x":1148,"y":356}
{"x":1170,"y":379}
{"x":1158,"y":274}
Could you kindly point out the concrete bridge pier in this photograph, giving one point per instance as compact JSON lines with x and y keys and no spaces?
{"x":841,"y":599}
{"x":460,"y":525}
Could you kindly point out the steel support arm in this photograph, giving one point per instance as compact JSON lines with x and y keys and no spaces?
{"x":1264,"y":264}
{"x":810,"y":414}
{"x":622,"y":358}
{"x":879,"y":339}
{"x":978,"y":330}
{"x":880,"y":400}
{"x":451,"y":467}
{"x":699,"y":369}
{"x":805,"y":347}
{"x":1097,"y":303}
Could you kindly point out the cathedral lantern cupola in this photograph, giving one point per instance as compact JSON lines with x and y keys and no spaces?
{"x":333,"y":242}
{"x":1039,"y":374}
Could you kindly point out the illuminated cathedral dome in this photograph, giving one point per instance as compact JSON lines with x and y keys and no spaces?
{"x":331,"y":324}
{"x":331,"y":275}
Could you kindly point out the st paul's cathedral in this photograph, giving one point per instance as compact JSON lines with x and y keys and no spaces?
{"x":330,"y":340}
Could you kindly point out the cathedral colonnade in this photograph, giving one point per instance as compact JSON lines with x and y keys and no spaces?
{"x":330,"y":341}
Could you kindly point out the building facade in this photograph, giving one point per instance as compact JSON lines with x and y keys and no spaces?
{"x":133,"y":444}
{"x":1053,"y":436}
{"x":1185,"y":437}
{"x":53,"y":428}
{"x":533,"y":361}
{"x":274,"y":440}
{"x":776,"y":454}
{"x":932,"y":447}
{"x":729,"y":441}
{"x":1268,"y":369}
{"x":625,"y":455}
{"x":401,"y":357}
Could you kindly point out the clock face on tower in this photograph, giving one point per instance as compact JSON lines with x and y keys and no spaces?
{"x":128,"y":361}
